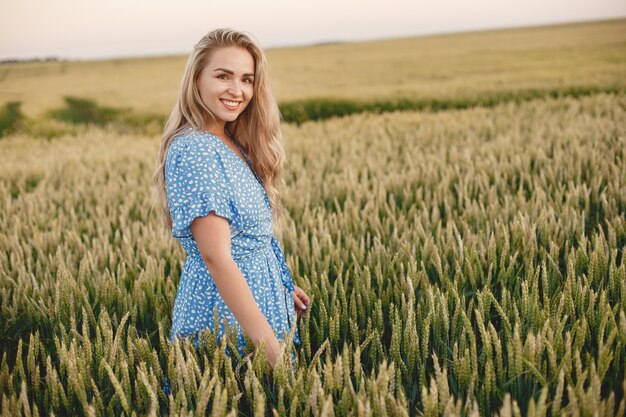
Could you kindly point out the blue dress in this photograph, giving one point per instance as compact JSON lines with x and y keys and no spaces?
{"x":202,"y":174}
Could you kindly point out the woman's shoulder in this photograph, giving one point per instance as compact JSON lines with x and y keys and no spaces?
{"x":191,"y":142}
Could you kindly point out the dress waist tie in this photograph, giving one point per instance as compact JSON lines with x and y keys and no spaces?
{"x":286,"y":275}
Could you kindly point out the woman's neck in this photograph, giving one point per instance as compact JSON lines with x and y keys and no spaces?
{"x":217,"y":129}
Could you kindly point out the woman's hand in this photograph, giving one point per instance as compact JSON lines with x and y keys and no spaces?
{"x":272,"y":351}
{"x":301,"y":301}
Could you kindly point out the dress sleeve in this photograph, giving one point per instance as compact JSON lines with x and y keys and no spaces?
{"x":196,"y":185}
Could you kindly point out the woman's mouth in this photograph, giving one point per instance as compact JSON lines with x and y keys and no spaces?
{"x":230,"y":104}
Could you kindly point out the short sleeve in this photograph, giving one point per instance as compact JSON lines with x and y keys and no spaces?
{"x":195,"y":184}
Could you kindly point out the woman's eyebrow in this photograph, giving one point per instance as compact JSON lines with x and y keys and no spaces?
{"x":227,"y":71}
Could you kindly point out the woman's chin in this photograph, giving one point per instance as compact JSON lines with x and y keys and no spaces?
{"x":230,"y":116}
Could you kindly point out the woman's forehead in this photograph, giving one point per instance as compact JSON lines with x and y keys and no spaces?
{"x":232,"y":58}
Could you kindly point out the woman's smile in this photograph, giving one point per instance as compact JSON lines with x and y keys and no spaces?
{"x":230,"y":104}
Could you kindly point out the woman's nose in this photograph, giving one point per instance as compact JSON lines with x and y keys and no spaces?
{"x":234,"y":88}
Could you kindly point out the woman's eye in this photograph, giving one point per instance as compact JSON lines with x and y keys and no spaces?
{"x":247,"y":80}
{"x":222,"y":77}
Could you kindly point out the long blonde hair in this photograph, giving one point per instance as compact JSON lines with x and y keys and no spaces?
{"x":256,"y":130}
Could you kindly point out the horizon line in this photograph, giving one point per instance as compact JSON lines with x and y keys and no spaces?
{"x":56,"y":58}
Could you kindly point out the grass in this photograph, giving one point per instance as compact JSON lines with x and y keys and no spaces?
{"x":79,"y":111}
{"x":10,"y":117}
{"x":320,"y":109}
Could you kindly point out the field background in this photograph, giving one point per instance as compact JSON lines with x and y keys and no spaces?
{"x":465,"y":259}
{"x":458,"y":66}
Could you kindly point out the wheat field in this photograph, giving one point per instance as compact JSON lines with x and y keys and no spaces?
{"x":457,"y":66}
{"x":462,"y":262}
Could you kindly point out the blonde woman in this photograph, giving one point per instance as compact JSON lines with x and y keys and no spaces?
{"x":219,"y":165}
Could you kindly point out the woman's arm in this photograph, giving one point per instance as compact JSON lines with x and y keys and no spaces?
{"x":212,"y":235}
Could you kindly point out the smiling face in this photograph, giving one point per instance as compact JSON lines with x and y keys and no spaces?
{"x":226,"y":85}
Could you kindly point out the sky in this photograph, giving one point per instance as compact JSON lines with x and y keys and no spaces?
{"x":90,"y":29}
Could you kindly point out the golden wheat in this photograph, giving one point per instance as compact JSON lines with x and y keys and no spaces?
{"x":464,"y":262}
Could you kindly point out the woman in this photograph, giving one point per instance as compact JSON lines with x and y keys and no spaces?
{"x":218,"y":166}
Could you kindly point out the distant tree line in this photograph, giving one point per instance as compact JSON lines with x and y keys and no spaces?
{"x":37,"y":59}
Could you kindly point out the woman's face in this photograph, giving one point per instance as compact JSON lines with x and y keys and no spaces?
{"x":226,"y":84}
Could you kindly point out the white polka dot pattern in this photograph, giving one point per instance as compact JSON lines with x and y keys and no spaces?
{"x":202,"y":174}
